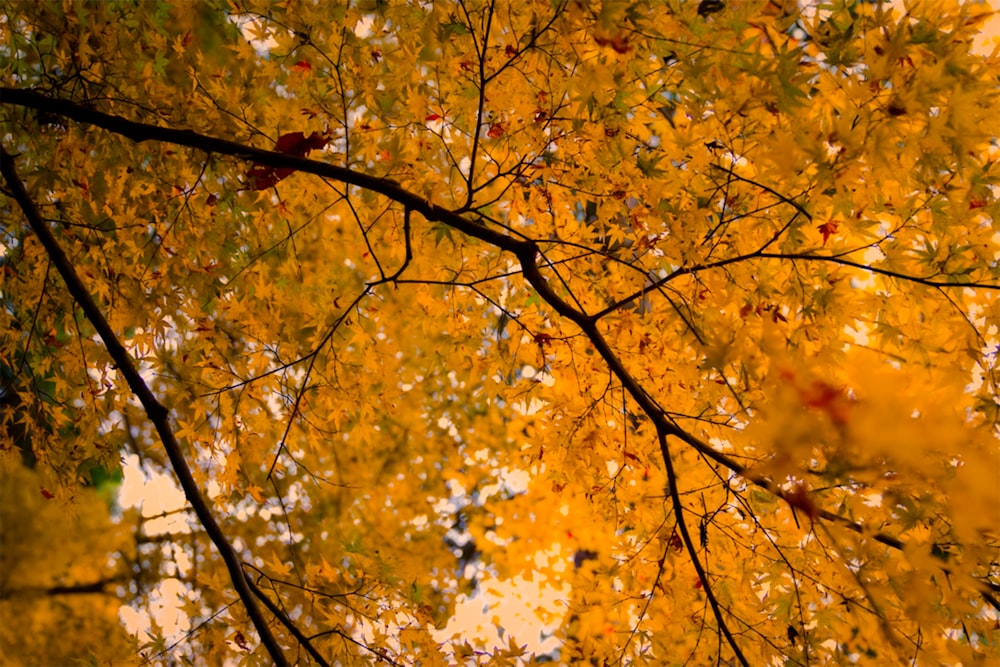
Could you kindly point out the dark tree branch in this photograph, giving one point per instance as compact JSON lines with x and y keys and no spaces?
{"x":833,"y":259}
{"x":706,"y":584}
{"x":140,"y":132}
{"x":98,"y":587}
{"x":158,"y":414}
{"x":287,"y":622}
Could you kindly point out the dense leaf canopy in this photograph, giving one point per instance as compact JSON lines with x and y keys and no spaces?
{"x":674,"y":323}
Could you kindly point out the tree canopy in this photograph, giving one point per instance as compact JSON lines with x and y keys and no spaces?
{"x":683,"y":315}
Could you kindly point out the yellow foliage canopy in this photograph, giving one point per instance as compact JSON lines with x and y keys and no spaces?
{"x":682,"y":315}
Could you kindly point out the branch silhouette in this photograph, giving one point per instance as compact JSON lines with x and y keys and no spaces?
{"x":158,"y":413}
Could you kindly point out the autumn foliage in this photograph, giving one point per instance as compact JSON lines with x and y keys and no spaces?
{"x":500,"y":333}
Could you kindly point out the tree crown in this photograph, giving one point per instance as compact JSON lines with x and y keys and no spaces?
{"x":684,"y":312}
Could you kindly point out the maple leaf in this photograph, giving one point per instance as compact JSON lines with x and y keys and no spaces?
{"x":297,"y":144}
{"x":828,"y":229}
{"x":675,"y":543}
{"x":543,"y":338}
{"x":240,"y":641}
{"x":618,"y":42}
{"x":896,"y":109}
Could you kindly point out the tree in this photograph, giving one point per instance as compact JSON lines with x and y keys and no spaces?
{"x":688,"y":311}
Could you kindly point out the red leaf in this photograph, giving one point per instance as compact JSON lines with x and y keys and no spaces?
{"x":827,"y":229}
{"x":799,"y":499}
{"x":496,"y":130}
{"x":827,"y":398}
{"x":298,"y":144}
{"x":543,"y":338}
{"x":48,"y":495}
{"x":675,"y":541}
{"x":432,"y":116}
{"x":510,"y":51}
{"x":262,"y":177}
{"x":302,"y":66}
{"x":52,"y":339}
{"x":619,"y":42}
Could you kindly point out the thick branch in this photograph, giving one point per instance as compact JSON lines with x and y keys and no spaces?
{"x":158,"y":414}
{"x":289,"y":625}
{"x":140,"y":132}
{"x":91,"y":588}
